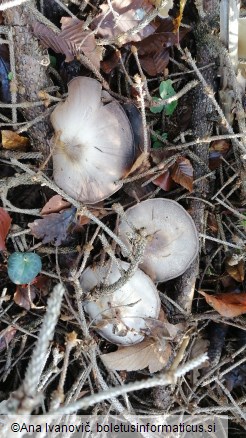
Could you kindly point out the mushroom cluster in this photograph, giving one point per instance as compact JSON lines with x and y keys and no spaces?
{"x":93,"y":142}
{"x":173,"y":237}
{"x":120,"y":316}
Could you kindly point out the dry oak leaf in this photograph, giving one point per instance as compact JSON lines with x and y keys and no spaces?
{"x":227,"y":304}
{"x":6,"y":337}
{"x":153,"y":50}
{"x":13,"y":141}
{"x":148,"y":353}
{"x":53,"y":227}
{"x":182,"y":173}
{"x":237,"y":271}
{"x":164,"y":181}
{"x":54,"y":205}
{"x":71,"y":41}
{"x":5,"y":222}
{"x":21,"y":297}
{"x":140,"y":165}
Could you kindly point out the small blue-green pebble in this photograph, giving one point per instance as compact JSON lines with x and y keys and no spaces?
{"x":23,"y":267}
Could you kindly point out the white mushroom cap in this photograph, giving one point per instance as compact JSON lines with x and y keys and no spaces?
{"x":94,"y":144}
{"x":127,"y":307}
{"x":174,"y":240}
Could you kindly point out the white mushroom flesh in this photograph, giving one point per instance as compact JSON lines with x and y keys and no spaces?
{"x":173,"y":237}
{"x":121,"y":317}
{"x":93,"y":145}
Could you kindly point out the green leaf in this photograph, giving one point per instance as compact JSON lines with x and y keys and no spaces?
{"x":23,"y":267}
{"x":157,"y":143}
{"x":156,"y":109}
{"x":166,"y":90}
{"x":10,"y":76}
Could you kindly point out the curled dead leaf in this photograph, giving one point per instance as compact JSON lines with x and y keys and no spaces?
{"x":5,"y":222}
{"x":22,"y":298}
{"x":13,"y":141}
{"x":182,"y":173}
{"x":236,"y":271}
{"x":53,"y":227}
{"x":6,"y":337}
{"x":227,"y":304}
{"x":54,"y":205}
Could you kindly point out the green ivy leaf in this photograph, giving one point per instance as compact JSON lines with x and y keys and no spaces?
{"x":23,"y":267}
{"x":166,"y":90}
{"x":156,"y":109}
{"x":157,"y":143}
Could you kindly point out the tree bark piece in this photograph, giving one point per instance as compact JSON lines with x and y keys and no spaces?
{"x":30,"y":73}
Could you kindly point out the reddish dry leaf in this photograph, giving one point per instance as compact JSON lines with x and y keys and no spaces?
{"x":6,"y":337}
{"x":153,"y":49}
{"x":140,"y":165}
{"x":227,"y":304}
{"x":13,"y":141}
{"x":217,"y":150}
{"x":71,"y":41}
{"x":110,"y":62}
{"x":128,"y":14}
{"x":5,"y":222}
{"x":139,"y":356}
{"x":53,"y":227}
{"x":164,"y":181}
{"x":21,"y":297}
{"x":236,"y":271}
{"x":42,"y":284}
{"x":212,"y":223}
{"x":54,"y":205}
{"x":182,"y":173}
{"x":97,"y":210}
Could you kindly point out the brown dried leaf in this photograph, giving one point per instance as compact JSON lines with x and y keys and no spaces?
{"x":212,"y":223}
{"x":53,"y":227}
{"x":140,"y":165}
{"x":21,"y":297}
{"x":139,"y":356}
{"x":13,"y":141}
{"x":237,"y":271}
{"x":227,"y":304}
{"x":164,"y":181}
{"x":54,"y":205}
{"x":71,"y":41}
{"x":5,"y":222}
{"x":127,"y":15}
{"x":182,"y":173}
{"x":110,"y":62}
{"x":155,"y":63}
{"x":6,"y":337}
{"x":153,"y":49}
{"x":218,"y":149}
{"x":99,"y":212}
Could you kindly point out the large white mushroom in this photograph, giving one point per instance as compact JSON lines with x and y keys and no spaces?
{"x":122,"y":316}
{"x":93,"y":145}
{"x":173,"y":237}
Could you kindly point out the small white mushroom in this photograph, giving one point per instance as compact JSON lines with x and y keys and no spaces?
{"x":173,"y":242}
{"x":93,"y":145}
{"x":121,"y":317}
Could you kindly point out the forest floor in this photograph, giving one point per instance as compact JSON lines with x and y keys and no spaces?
{"x":185,"y":105}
